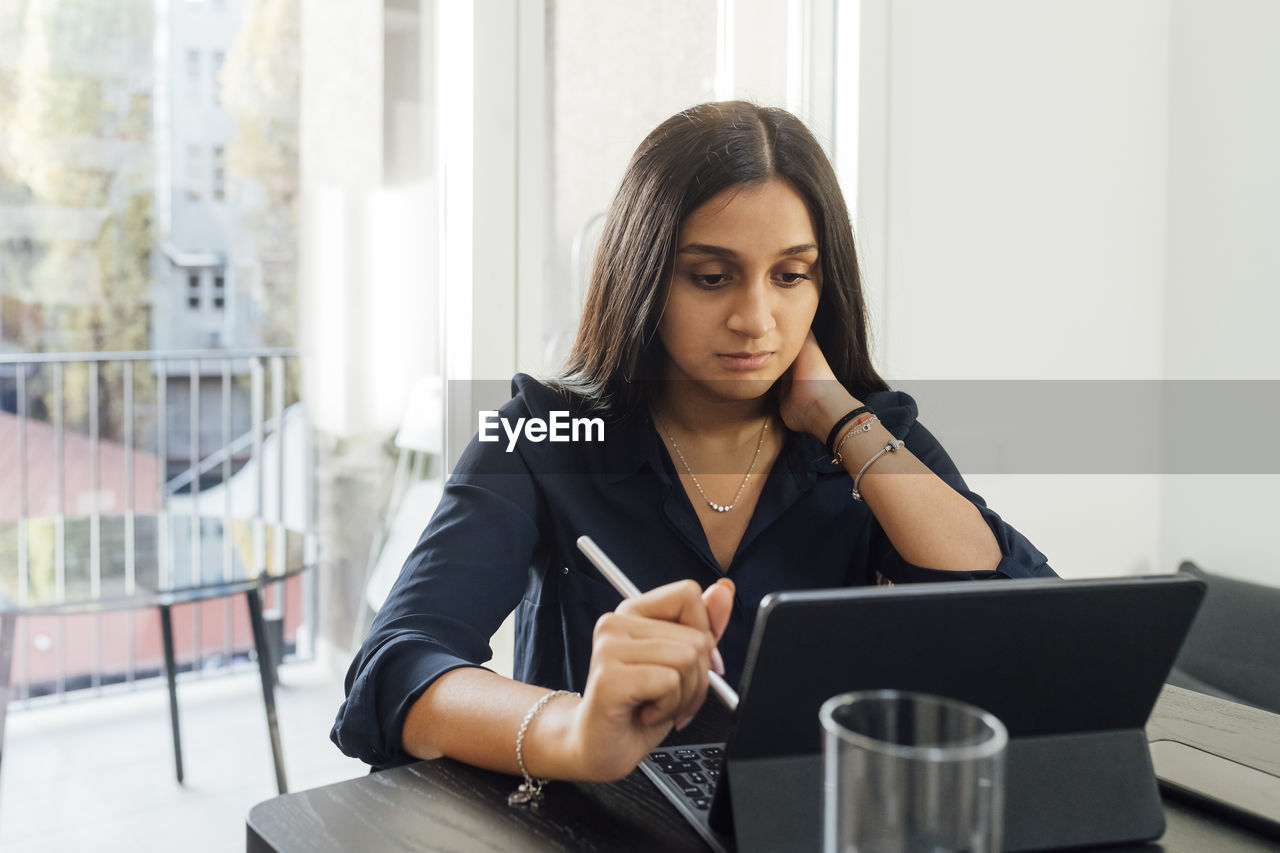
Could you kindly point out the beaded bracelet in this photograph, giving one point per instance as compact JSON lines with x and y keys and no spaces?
{"x":835,"y":430}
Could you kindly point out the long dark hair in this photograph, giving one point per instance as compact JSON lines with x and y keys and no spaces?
{"x":684,"y":162}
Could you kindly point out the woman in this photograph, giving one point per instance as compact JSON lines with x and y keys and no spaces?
{"x":724,"y":345}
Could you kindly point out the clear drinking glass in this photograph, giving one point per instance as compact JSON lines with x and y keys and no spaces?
{"x":911,"y":773}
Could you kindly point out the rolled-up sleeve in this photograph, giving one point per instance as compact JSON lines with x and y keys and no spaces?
{"x":465,"y":575}
{"x":1018,"y":557}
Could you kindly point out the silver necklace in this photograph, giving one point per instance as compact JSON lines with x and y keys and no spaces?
{"x":755,"y":457}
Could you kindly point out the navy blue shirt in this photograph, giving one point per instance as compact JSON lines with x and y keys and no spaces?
{"x":503,"y":538}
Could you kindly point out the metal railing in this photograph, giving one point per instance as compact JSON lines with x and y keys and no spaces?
{"x":241,"y":476}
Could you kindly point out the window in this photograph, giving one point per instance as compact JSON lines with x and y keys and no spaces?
{"x":215,"y":76}
{"x":219,"y":175}
{"x":193,"y":290}
{"x":219,"y":291}
{"x":193,"y":67}
{"x":194,"y":172}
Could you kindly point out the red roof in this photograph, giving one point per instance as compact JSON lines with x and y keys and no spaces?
{"x":78,"y":499}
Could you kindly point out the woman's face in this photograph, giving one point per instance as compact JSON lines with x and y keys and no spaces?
{"x":744,"y":290}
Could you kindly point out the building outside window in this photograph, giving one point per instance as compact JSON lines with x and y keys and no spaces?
{"x":194,"y":176}
{"x":219,"y":174}
{"x":193,"y":67}
{"x":215,"y":75}
{"x":117,"y":235}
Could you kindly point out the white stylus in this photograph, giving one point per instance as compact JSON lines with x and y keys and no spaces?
{"x":627,"y":589}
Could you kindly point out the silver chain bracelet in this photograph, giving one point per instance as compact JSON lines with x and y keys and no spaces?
{"x":530,"y":790}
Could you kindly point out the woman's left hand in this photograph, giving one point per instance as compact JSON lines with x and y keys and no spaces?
{"x":810,"y":398}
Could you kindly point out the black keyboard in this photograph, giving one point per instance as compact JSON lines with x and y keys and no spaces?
{"x":691,"y":772}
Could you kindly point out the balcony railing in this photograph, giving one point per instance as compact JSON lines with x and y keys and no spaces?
{"x":126,"y":469}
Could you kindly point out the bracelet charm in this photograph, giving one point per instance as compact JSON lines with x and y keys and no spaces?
{"x":891,"y":447}
{"x":863,"y":424}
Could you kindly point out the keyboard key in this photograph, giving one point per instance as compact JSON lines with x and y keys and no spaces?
{"x":661,"y":757}
{"x":686,"y":784}
{"x":680,"y":767}
{"x":686,"y":754}
{"x":711,"y":763}
{"x":702,"y":802}
{"x":712,"y":751}
{"x":713,"y":775}
{"x":697,"y":778}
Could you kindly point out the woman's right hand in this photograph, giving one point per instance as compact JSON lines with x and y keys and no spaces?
{"x":648,"y":673}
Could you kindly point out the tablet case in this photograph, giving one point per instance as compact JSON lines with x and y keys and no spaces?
{"x":1072,"y":668}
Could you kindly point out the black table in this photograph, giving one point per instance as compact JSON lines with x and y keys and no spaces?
{"x":446,"y":805}
{"x":161,"y":577}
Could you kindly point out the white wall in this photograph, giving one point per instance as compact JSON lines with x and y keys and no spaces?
{"x":1222,"y":298}
{"x":1020,"y":164}
{"x":1084,"y":190}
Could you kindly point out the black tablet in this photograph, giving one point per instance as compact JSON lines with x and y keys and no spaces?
{"x":1072,"y":668}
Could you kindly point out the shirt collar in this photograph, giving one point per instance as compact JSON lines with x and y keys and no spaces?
{"x":632,"y":442}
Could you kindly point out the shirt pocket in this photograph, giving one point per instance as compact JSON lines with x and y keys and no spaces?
{"x":584,"y":590}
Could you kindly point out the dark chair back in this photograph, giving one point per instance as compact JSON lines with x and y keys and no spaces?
{"x":1233,"y":648}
